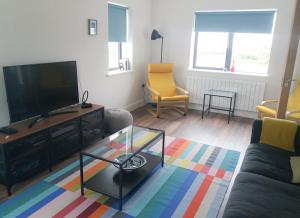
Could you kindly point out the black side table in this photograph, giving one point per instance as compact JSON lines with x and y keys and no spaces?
{"x":230,"y":95}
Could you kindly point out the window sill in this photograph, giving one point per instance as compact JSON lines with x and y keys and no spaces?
{"x":227,"y":72}
{"x":118,"y":72}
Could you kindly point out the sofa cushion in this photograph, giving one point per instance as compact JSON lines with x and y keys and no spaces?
{"x":295,"y":165}
{"x":268,"y":161}
{"x":257,"y":196}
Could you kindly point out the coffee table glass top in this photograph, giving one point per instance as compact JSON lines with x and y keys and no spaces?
{"x":128,"y":141}
{"x":221,"y":93}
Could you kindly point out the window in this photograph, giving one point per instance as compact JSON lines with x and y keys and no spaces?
{"x":114,"y":55}
{"x":211,"y":51}
{"x":118,"y":53}
{"x":118,"y":47}
{"x":251,"y":52}
{"x":233,"y":41}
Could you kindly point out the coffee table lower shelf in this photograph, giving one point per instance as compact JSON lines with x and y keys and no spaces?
{"x":107,"y":181}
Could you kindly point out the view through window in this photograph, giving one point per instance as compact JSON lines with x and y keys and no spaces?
{"x":233,"y":41}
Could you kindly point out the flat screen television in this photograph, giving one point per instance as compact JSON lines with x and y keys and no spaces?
{"x":38,"y":89}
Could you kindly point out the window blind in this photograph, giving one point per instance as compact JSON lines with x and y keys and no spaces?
{"x":117,"y":23}
{"x":235,"y":21}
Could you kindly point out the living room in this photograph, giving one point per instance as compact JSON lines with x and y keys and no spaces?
{"x":230,"y":55}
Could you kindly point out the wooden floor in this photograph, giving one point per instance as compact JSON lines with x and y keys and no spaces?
{"x":213,"y":130}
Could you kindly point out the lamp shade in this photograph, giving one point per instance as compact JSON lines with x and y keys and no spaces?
{"x":155,"y":35}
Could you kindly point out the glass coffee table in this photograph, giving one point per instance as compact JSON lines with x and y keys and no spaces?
{"x":128,"y":161}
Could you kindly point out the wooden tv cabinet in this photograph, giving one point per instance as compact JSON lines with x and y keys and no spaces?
{"x":49,"y":141}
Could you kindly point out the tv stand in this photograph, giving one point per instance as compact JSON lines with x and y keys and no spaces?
{"x":51,"y":114}
{"x":49,"y":141}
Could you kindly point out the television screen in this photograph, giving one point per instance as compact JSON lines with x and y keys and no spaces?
{"x":37,"y":89}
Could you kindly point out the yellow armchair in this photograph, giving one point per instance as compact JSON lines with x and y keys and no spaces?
{"x":269,"y":108}
{"x":164,"y":91}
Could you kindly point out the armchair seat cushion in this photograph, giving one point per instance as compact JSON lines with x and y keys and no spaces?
{"x":174,"y":98}
{"x":268,"y":161}
{"x":266,"y":110}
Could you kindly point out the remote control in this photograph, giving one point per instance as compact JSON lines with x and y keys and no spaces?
{"x":8,"y":130}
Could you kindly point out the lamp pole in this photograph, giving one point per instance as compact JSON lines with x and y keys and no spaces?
{"x":161,"y":49}
{"x":156,"y":35}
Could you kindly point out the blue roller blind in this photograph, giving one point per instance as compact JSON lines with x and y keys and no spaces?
{"x":239,"y":22}
{"x":117,"y":23}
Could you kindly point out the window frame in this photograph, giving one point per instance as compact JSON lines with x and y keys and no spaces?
{"x":120,"y":44}
{"x":228,"y":56}
{"x":120,"y":55}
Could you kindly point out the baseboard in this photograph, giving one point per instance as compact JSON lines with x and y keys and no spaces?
{"x":135,"y":105}
{"x":247,"y":114}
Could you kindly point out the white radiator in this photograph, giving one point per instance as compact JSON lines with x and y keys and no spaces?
{"x":249,"y":93}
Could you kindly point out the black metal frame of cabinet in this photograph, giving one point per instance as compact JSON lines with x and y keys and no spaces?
{"x":47,"y":148}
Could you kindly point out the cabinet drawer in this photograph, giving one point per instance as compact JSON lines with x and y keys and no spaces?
{"x":91,"y":135}
{"x":65,"y":146}
{"x":92,"y":119}
{"x":26,"y":146}
{"x":65,"y":128}
{"x":27,"y":166}
{"x":1,"y":154}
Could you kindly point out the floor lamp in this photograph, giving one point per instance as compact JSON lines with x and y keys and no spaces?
{"x":156,"y":35}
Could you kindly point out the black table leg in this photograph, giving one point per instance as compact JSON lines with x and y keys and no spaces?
{"x":229,"y":114}
{"x":234,"y":104}
{"x":81,"y":140}
{"x":209,"y":104}
{"x":121,"y":187}
{"x":50,"y":157}
{"x":203,"y":106}
{"x":81,"y":175}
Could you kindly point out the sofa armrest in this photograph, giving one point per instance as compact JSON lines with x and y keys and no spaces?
{"x":256,"y":131}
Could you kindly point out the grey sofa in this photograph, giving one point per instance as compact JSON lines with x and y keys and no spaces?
{"x":263,"y":186}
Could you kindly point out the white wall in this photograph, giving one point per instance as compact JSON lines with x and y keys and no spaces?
{"x":175,"y":19}
{"x":297,"y":64}
{"x":37,"y":31}
{"x":296,"y":70}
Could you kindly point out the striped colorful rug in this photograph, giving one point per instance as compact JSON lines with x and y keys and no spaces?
{"x":193,"y":183}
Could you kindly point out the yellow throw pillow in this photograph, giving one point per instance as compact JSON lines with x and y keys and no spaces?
{"x":295,"y":165}
{"x":279,"y":133}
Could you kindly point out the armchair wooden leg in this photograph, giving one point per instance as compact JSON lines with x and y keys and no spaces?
{"x":186,"y":107}
{"x":158,"y":108}
{"x":259,"y":115}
